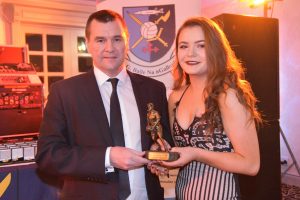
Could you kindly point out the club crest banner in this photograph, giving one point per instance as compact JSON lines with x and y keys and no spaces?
{"x":152,"y":34}
{"x":152,"y":27}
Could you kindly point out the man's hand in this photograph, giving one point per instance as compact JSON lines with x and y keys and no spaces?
{"x":157,"y":169}
{"x":127,"y":159}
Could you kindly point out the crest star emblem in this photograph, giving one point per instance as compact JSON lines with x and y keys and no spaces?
{"x":151,"y":29}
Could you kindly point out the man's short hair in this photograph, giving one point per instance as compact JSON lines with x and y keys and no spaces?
{"x":104,"y":16}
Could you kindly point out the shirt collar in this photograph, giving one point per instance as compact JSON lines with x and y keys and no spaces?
{"x":101,"y":77}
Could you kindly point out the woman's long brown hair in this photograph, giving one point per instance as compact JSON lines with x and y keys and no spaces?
{"x":224,"y":71}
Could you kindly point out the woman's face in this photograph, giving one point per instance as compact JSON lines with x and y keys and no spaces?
{"x":191,"y":51}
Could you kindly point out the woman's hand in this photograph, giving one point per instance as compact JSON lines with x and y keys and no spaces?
{"x":186,"y":155}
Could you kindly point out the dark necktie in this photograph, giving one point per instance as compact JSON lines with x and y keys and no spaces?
{"x":116,"y":129}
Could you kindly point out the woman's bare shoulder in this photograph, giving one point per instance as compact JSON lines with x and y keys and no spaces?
{"x":176,"y":94}
{"x":229,"y":98}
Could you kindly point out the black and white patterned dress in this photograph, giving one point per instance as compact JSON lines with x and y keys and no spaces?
{"x":197,"y":180}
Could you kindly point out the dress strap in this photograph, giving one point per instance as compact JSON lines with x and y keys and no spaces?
{"x":177,"y":103}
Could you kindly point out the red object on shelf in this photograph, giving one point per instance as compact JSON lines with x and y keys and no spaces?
{"x":13,"y":54}
{"x":21,"y":94}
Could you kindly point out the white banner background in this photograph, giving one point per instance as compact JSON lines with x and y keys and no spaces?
{"x":183,"y":10}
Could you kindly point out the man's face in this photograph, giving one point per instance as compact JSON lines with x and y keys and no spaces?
{"x":107,"y":44}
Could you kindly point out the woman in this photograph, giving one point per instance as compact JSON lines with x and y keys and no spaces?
{"x":213,"y":115}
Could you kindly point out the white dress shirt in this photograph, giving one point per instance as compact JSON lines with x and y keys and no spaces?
{"x":131,"y":126}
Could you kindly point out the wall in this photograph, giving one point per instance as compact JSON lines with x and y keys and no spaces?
{"x":60,"y":13}
{"x":287,"y":11}
{"x":5,"y":21}
{"x":2,"y":30}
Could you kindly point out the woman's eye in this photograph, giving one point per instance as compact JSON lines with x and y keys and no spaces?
{"x":201,"y":46}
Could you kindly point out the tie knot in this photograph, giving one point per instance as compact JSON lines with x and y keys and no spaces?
{"x":114,"y":82}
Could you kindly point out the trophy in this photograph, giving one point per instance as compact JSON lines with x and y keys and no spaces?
{"x":155,"y":130}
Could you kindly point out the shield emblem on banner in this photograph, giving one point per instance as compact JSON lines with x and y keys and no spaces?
{"x":151,"y":29}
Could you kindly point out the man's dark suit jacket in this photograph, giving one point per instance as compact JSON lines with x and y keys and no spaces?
{"x":74,"y":135}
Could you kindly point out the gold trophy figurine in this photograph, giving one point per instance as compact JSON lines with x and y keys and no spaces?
{"x":156,"y":132}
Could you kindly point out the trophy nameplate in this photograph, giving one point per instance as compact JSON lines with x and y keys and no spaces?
{"x":162,"y":155}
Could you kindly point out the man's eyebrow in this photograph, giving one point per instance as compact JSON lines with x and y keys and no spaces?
{"x":103,"y":37}
{"x":99,"y":37}
{"x":117,"y":36}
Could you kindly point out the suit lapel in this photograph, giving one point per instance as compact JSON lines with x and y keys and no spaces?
{"x":137,"y":85}
{"x":94,"y":101}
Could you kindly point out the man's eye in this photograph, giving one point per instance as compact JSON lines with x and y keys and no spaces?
{"x":100,"y":41}
{"x":118,"y":39}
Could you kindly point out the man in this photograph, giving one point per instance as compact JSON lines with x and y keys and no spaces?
{"x":76,"y":139}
